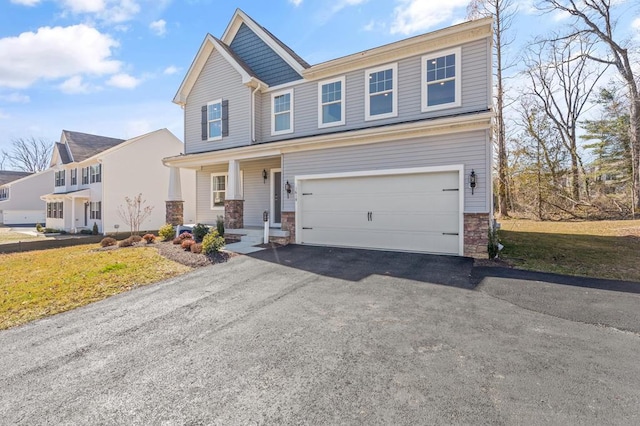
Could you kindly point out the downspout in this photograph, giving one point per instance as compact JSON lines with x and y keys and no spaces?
{"x":253,"y":112}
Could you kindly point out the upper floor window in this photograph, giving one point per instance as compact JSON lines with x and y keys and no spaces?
{"x":282,"y":112}
{"x":218,"y":190}
{"x":381,"y":94}
{"x":441,"y":86}
{"x":215,"y":120}
{"x":4,"y":193}
{"x":74,"y":177}
{"x":331,"y":102}
{"x":59,"y":177}
{"x":85,"y":175}
{"x":96,"y":173}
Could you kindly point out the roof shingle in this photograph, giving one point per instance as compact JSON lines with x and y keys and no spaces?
{"x":83,"y":145}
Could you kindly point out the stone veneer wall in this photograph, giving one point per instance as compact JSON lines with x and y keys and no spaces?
{"x":476,"y":235}
{"x":174,"y":212}
{"x":234,"y":214}
{"x":288,"y":223}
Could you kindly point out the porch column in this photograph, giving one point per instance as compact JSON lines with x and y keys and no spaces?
{"x":174,"y":206}
{"x":233,"y":203}
{"x":74,"y":228}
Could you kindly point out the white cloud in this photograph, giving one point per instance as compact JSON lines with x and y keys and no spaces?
{"x":16,"y":98}
{"x":296,"y":3}
{"x":158,"y":27}
{"x":124,"y":81}
{"x":74,"y":85}
{"x":635,"y":25}
{"x":84,"y":6}
{"x":170,"y":70}
{"x":338,"y":5}
{"x":412,"y":16}
{"x":112,"y":11}
{"x":3,"y":115}
{"x":26,"y":2}
{"x":53,"y":53}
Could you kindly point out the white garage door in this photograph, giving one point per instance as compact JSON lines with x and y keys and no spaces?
{"x":410,"y":212}
{"x":22,"y":217}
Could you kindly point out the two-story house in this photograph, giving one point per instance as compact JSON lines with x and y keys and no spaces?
{"x":389,"y":148}
{"x":20,"y":192}
{"x":92,"y":175}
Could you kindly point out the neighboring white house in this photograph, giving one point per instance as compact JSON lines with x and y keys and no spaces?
{"x":91,"y":176}
{"x":20,"y":193}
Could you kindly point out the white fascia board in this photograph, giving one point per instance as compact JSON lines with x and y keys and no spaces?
{"x":239,"y":18}
{"x":455,"y":35}
{"x":332,"y":140}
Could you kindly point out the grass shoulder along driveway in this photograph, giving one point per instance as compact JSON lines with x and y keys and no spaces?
{"x":599,"y":249}
{"x":40,"y":283}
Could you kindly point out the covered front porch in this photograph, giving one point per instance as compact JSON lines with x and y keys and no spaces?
{"x":73,"y":217}
{"x":243,"y":192}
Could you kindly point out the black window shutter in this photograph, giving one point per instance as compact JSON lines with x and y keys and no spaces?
{"x":225,"y":118}
{"x":205,"y":131}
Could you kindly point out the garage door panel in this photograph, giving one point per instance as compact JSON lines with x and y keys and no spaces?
{"x":410,"y":212}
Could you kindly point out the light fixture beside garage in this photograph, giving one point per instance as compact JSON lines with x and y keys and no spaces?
{"x":264,"y":176}
{"x":287,"y":187}
{"x":472,"y":180}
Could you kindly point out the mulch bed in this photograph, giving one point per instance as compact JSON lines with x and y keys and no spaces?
{"x":179,"y":255}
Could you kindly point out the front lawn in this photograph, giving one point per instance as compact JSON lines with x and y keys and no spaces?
{"x":601,"y":249}
{"x":7,"y":236}
{"x":40,"y":283}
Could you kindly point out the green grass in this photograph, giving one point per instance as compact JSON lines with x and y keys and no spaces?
{"x":602,"y":249}
{"x":40,"y":283}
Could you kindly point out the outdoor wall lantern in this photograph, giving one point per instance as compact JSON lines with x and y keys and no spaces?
{"x":472,"y":180}
{"x":264,"y":176}
{"x":287,"y":187}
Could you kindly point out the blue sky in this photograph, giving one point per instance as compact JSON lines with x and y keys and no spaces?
{"x":111,"y":67}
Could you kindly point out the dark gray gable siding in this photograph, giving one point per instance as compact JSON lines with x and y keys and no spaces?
{"x":265,"y":63}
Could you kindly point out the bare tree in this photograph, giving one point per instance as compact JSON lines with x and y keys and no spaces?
{"x":594,"y":18}
{"x":28,"y":154}
{"x":3,"y":160}
{"x":502,"y":12}
{"x":134,"y":213}
{"x":562,"y":79}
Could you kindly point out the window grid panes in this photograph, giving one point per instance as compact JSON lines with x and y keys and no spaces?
{"x":95,"y":210}
{"x":4,"y":193}
{"x":218,"y":190}
{"x":282,"y":112}
{"x":381,"y":92}
{"x":332,"y":102}
{"x":441,"y":80}
{"x":214,"y":120}
{"x":74,"y":176}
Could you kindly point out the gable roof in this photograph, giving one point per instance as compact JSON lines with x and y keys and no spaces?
{"x":284,"y":51}
{"x":81,"y":146}
{"x":8,"y":176}
{"x":210,"y":44}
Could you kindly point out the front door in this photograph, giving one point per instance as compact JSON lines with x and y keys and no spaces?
{"x":276,"y":197}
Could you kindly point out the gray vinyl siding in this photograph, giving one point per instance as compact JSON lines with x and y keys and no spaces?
{"x":469,"y":149}
{"x":257,"y":193}
{"x":265,"y":63}
{"x":204,"y":214}
{"x":218,"y":80}
{"x":475,"y":82}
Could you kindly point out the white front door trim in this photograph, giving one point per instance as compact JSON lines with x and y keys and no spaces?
{"x":389,"y":172}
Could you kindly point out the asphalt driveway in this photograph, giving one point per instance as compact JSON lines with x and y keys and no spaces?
{"x":307,"y":335}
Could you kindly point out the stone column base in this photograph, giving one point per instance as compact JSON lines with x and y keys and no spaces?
{"x":476,"y":235}
{"x":288,"y":223}
{"x":174,"y":212}
{"x":234,"y":214}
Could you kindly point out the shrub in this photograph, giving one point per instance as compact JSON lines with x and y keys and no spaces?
{"x":199,"y":231}
{"x":136,"y":238}
{"x":94,"y":231}
{"x":149,"y":238}
{"x":167,"y":232}
{"x":186,"y":244}
{"x":220,"y":225}
{"x":185,"y":236}
{"x":86,"y":232}
{"x":212,"y":242}
{"x":177,"y":240}
{"x":108,"y":241}
{"x":39,"y":228}
{"x":196,"y":248}
{"x":127,"y":242}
